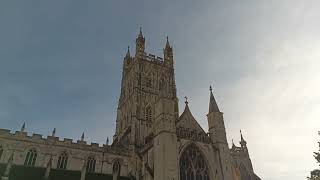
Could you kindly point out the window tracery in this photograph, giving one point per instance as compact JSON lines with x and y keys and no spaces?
{"x":91,"y":165}
{"x":31,"y":158}
{"x":192,"y":165}
{"x":63,"y":160}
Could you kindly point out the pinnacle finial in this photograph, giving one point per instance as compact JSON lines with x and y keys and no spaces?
{"x":140,"y":32}
{"x":167,"y":43}
{"x":186,"y":98}
{"x":213,"y":106}
{"x":107,"y":143}
{"x":23,"y":127}
{"x":54,"y":132}
{"x":242,"y":142}
{"x":128,"y":52}
{"x":82,"y":137}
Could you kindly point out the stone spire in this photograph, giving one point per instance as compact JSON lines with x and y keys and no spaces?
{"x":140,"y":45}
{"x":82,"y":137}
{"x":167,"y":44}
{"x":168,"y":54}
{"x":140,"y":33}
{"x":107,"y":143}
{"x":233,"y":146}
{"x":242,"y":141}
{"x":128,"y":53}
{"x":213,"y":107}
{"x":23,"y":127}
{"x":54,"y":132}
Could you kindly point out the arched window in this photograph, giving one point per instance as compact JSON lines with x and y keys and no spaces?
{"x":62,"y":161}
{"x":192,"y":165}
{"x":116,"y":170}
{"x":1,"y":151}
{"x":148,"y":114}
{"x":91,"y":165}
{"x":31,"y":158}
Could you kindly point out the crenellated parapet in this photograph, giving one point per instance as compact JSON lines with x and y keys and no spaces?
{"x":39,"y":139}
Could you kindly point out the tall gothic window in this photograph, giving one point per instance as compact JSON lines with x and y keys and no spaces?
{"x":1,"y":151}
{"x":192,"y":165}
{"x":116,"y":170}
{"x":148,"y":114}
{"x":62,"y":161}
{"x":31,"y":158}
{"x":91,"y":165}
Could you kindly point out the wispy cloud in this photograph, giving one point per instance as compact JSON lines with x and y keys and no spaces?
{"x":61,"y":67}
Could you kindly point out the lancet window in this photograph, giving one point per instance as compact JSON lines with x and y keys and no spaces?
{"x":31,"y":158}
{"x":91,"y":165}
{"x":63,"y":160}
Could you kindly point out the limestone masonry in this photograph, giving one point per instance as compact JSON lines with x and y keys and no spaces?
{"x":152,"y":141}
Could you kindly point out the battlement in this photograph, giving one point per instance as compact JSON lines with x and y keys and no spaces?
{"x":153,"y":58}
{"x":6,"y":134}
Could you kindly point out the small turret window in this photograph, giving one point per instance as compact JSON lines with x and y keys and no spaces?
{"x":148,"y":114}
{"x":1,"y":151}
{"x":31,"y":158}
{"x":63,"y":161}
{"x":91,"y":165}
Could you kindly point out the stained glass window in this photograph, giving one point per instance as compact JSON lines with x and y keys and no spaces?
{"x":63,"y":160}
{"x":192,"y":165}
{"x":31,"y":158}
{"x":91,"y":165}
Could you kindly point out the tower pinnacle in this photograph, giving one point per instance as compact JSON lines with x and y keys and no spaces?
{"x":167,"y":43}
{"x":213,"y":107}
{"x":242,"y":141}
{"x":140,"y":33}
{"x":140,"y":44}
{"x":23,"y":127}
{"x":82,"y":137}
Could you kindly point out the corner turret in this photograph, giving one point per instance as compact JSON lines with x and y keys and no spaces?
{"x":215,"y":121}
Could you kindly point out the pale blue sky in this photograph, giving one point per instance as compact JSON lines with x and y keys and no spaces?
{"x":61,"y":67}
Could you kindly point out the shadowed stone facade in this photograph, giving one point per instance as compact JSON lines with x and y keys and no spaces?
{"x":152,"y":141}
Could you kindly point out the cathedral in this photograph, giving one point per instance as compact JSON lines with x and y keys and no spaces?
{"x":152,"y":140}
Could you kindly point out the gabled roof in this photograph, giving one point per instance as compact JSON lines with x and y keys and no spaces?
{"x":186,"y":120}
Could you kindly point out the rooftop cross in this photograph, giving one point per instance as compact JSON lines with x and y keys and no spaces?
{"x":186,"y":99}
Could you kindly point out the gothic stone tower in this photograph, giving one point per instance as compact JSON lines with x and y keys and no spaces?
{"x":164,"y":145}
{"x":144,"y":77}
